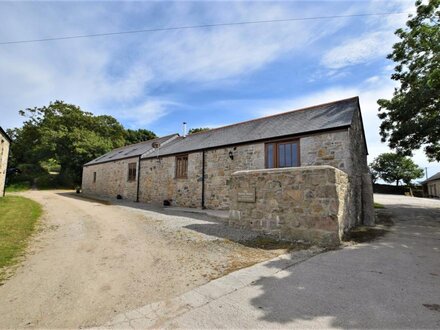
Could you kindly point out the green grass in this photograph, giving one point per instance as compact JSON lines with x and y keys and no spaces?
{"x":18,"y":218}
{"x":19,"y":186}
{"x":378,"y":206}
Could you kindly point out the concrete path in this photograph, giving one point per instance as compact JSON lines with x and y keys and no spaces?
{"x":393,"y":282}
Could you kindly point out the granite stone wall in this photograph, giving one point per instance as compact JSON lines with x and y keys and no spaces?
{"x":345,"y":150}
{"x":361,"y":191}
{"x":330,"y":148}
{"x":303,"y":203}
{"x":219,"y":168}
{"x":158,"y":180}
{"x":4,"y":154}
{"x":111,"y":179}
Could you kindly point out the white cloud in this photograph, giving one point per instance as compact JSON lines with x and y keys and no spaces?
{"x":220,"y":53}
{"x":376,"y":42}
{"x":146,"y":113}
{"x":359,"y":50}
{"x":104,"y":73}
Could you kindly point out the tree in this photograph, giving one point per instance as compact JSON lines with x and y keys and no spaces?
{"x":198,"y":130}
{"x":64,"y":134}
{"x":139,"y":135}
{"x":411,"y":119}
{"x":392,"y":167}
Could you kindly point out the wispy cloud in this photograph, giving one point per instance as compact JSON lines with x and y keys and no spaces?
{"x":373,"y":44}
{"x":359,"y":50}
{"x":114,"y":73}
{"x":146,"y":113}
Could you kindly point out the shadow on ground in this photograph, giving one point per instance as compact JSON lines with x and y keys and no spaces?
{"x":204,"y":224}
{"x":392,"y":282}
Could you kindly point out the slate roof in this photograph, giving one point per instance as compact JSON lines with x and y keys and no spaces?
{"x":433,"y":178}
{"x":338,"y":114}
{"x":327,"y":116}
{"x":133,"y":150}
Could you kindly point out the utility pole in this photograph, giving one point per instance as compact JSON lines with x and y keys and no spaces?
{"x":426,"y":173}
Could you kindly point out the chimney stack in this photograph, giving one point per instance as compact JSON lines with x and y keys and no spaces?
{"x":184,"y":129}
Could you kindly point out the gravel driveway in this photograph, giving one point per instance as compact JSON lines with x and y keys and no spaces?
{"x":90,"y":261}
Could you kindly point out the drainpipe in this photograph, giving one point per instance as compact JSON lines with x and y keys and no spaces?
{"x":138,"y":178}
{"x":203,"y":179}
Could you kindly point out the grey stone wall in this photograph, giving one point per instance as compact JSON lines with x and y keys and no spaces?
{"x":307,"y":203}
{"x":331,"y":148}
{"x":111,"y":179}
{"x":345,"y":150}
{"x":361,"y":186}
{"x":219,"y":169}
{"x":158,"y":182}
{"x":4,"y":154}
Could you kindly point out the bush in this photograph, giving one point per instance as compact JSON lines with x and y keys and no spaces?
{"x":46,"y":181}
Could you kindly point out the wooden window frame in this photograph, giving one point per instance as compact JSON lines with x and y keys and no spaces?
{"x":276,"y":143}
{"x":132,"y":172}
{"x":181,"y":174}
{"x":94,"y":177}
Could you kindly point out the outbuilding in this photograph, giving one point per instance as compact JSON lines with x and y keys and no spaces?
{"x":196,"y":170}
{"x":432,"y":186}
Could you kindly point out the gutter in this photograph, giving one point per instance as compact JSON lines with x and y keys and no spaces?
{"x":138,"y":178}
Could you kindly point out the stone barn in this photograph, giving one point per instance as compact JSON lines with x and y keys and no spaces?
{"x":431,"y":186}
{"x":198,"y":170}
{"x":4,"y":154}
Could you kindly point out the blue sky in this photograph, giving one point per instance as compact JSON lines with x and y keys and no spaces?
{"x":207,"y":77}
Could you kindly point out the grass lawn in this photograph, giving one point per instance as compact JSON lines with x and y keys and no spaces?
{"x":18,"y":217}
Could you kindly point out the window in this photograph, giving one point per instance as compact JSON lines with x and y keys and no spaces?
{"x":182,"y":167}
{"x":94,"y":177}
{"x":131,"y":172}
{"x":282,"y":154}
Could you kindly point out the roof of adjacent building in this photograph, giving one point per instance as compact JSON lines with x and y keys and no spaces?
{"x":433,"y":178}
{"x":133,"y":150}
{"x":323,"y":117}
{"x":5,"y":134}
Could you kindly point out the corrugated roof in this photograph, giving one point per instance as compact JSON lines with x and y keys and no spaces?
{"x":133,"y":150}
{"x":317,"y":118}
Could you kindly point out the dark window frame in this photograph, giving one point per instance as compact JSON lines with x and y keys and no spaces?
{"x":181,"y":166}
{"x":132,"y":172}
{"x":275,"y":158}
{"x":94,"y":177}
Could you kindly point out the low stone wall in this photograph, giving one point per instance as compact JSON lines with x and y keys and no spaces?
{"x":301,"y":203}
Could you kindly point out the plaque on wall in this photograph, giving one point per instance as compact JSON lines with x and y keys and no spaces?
{"x":246,"y":195}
